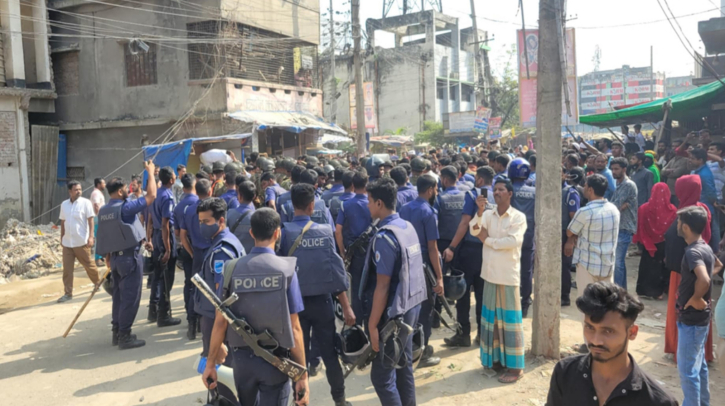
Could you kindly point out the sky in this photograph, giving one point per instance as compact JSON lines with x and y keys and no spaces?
{"x":624,"y":30}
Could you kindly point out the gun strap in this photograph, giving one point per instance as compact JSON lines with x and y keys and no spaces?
{"x":239,"y":221}
{"x":228,"y":271}
{"x":298,"y":240}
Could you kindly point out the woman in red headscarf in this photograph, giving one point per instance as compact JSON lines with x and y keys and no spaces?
{"x":654,"y":218}
{"x":687,"y":190}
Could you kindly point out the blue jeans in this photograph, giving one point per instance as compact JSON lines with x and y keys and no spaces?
{"x":620,"y":268}
{"x":692,"y":365}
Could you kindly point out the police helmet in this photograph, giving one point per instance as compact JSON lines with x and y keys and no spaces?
{"x":418,"y":344}
{"x":329,"y":170}
{"x":206,"y":168}
{"x":148,"y":265}
{"x":351,"y":343}
{"x":388,"y":163}
{"x":108,"y":284}
{"x":312,"y":160}
{"x":519,"y":168}
{"x":217,"y":167}
{"x":373,"y":164}
{"x":417,"y":165}
{"x":335,"y":163}
{"x":231,"y":167}
{"x":265,"y":164}
{"x":454,"y":285}
{"x":344,"y":163}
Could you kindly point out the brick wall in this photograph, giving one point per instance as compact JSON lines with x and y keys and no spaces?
{"x":8,"y":154}
{"x":65,"y":73}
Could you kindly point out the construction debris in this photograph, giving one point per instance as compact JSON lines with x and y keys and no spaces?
{"x":29,"y":251}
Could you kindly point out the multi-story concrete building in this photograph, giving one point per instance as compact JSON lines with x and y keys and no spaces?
{"x":430,"y":72}
{"x":26,"y":92}
{"x":602,"y":91}
{"x":133,"y":73}
{"x":678,"y":84}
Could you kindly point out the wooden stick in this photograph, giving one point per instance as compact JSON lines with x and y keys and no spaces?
{"x":95,"y":289}
{"x":615,"y":135}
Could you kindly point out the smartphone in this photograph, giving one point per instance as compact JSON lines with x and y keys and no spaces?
{"x":484,"y":192}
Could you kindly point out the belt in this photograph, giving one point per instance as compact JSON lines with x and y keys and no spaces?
{"x":121,"y":253}
{"x":277,"y":352}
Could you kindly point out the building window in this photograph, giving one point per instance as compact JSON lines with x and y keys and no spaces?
{"x":467,"y":92}
{"x":140,"y":66}
{"x":76,"y":173}
{"x":66,"y":72}
{"x":441,"y":89}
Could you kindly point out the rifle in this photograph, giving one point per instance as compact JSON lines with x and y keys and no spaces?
{"x":361,"y":243}
{"x":241,"y":327}
{"x":394,"y":326}
{"x":432,"y":282}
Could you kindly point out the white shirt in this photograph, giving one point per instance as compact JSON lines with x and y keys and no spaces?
{"x":501,"y":263}
{"x":97,"y":198}
{"x":76,"y":215}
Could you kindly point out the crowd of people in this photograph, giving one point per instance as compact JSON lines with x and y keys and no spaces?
{"x":381,"y":240}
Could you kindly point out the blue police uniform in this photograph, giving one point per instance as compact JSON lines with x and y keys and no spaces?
{"x":406,"y":194}
{"x":121,"y":238}
{"x":186,"y":259}
{"x":467,"y":177}
{"x":395,"y":252}
{"x":163,"y":281}
{"x":320,"y":215}
{"x":469,"y":259}
{"x":199,"y":244}
{"x":449,"y":206}
{"x":321,"y":274}
{"x":570,"y":203}
{"x":424,"y":219}
{"x":337,"y":201}
{"x":268,"y":293}
{"x":354,"y":217}
{"x":239,"y":221}
{"x":272,"y":193}
{"x":224,"y":247}
{"x":230,"y":198}
{"x":524,"y":200}
{"x":282,"y":201}
{"x":336,"y":190}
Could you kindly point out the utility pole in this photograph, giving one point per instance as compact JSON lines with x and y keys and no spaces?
{"x":405,"y":6}
{"x":478,"y":67}
{"x":547,"y":303}
{"x":651,"y":73}
{"x":359,"y":91}
{"x":333,"y":80}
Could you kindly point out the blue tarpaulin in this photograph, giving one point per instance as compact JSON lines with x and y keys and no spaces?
{"x":174,"y":153}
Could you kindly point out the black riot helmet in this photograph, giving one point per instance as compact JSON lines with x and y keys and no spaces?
{"x":265,"y":164}
{"x":351,"y":343}
{"x":418,"y":344}
{"x":373,"y":164}
{"x":454,"y":284}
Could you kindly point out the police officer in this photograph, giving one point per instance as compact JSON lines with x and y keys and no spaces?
{"x":417,"y":166}
{"x":239,"y":219}
{"x":406,"y":192}
{"x":524,"y":200}
{"x":321,"y":214}
{"x":164,"y":246}
{"x":191,"y":238}
{"x":449,"y":205}
{"x":469,"y":260}
{"x":230,"y":179}
{"x":287,"y":196}
{"x":374,"y":166}
{"x":218,"y":172}
{"x":321,"y":273}
{"x":500,"y":164}
{"x":393,"y":286}
{"x":273,"y":305}
{"x":272,"y":191}
{"x":352,"y":220}
{"x":424,"y":219}
{"x":185,"y":252}
{"x":347,"y":194}
{"x":120,"y":235}
{"x":463,"y":184}
{"x":337,"y":188}
{"x":224,"y":247}
{"x":283,"y":169}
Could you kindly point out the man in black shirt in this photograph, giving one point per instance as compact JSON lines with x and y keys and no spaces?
{"x":608,"y":374}
{"x":694,"y":308}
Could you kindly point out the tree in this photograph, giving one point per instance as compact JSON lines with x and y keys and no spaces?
{"x":506,"y":92}
{"x":432,"y":133}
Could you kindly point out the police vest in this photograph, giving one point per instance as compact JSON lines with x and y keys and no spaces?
{"x":319,"y":215}
{"x":240,"y":229}
{"x":449,"y":214}
{"x":524,"y":200}
{"x":261,"y":282}
{"x":113,"y":233}
{"x":228,"y":245}
{"x":320,"y":270}
{"x":327,"y":196}
{"x":282,"y":201}
{"x":464,"y":186}
{"x":335,"y":207}
{"x":411,"y":289}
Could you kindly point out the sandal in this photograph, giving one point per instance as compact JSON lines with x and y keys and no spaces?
{"x":511,"y":377}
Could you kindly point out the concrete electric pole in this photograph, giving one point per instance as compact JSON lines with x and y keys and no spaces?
{"x":547,"y":303}
{"x":333,"y":80}
{"x":359,"y":91}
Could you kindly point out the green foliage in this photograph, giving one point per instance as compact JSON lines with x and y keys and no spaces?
{"x":432,"y":133}
{"x":506,"y":91}
{"x":399,"y":131}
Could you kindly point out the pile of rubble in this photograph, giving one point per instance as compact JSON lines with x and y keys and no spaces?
{"x":28,"y":251}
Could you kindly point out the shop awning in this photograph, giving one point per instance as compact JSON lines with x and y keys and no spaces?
{"x":292,"y":121}
{"x":392,"y":140}
{"x":692,"y":104}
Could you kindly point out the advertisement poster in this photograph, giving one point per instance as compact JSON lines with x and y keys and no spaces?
{"x":369,"y":98}
{"x":482,"y":116}
{"x":527,"y":87}
{"x":462,"y":122}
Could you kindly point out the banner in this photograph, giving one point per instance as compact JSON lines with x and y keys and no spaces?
{"x":369,"y":99}
{"x":482,"y":116}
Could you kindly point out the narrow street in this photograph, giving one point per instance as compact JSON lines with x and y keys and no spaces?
{"x":84,"y":369}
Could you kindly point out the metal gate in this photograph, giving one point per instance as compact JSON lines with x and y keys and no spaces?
{"x":44,"y":171}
